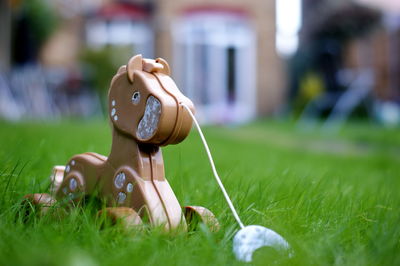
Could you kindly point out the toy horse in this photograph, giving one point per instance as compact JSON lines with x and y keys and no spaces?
{"x":146,"y":112}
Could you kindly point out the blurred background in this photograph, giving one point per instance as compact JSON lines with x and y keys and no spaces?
{"x":308,"y":60}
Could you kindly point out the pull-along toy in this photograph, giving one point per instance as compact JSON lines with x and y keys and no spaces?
{"x":147,"y":111}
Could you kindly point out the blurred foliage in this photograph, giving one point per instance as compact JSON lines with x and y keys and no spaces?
{"x":42,"y":19}
{"x":32,"y":23}
{"x":314,"y":68}
{"x":102,"y":64}
{"x":342,"y":23}
{"x":311,"y":86}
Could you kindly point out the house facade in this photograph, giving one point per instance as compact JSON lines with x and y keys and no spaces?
{"x":222,"y":54}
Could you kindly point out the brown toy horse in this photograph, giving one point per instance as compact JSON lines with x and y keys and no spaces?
{"x":145,"y":108}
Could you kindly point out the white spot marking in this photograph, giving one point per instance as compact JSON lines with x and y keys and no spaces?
{"x":113,"y":111}
{"x":67,"y":168}
{"x":116,"y":118}
{"x":73,"y":184}
{"x":119,"y":180}
{"x":113,"y":103}
{"x":73,"y":162}
{"x":129,"y":187}
{"x":121,"y":197}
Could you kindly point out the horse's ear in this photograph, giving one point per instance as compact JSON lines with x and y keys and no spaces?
{"x":166,"y":70}
{"x":121,"y":69}
{"x":135,"y":63}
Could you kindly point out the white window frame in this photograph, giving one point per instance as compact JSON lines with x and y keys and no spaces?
{"x":216,"y":32}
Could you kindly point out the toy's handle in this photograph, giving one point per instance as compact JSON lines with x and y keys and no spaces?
{"x":214,"y":170}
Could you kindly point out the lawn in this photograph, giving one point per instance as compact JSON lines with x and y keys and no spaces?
{"x":335,"y":198}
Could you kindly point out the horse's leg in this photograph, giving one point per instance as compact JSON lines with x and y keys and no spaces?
{"x":125,"y":188}
{"x":80,"y":177}
{"x":127,"y":216}
{"x":38,"y":204}
{"x":56,"y":178}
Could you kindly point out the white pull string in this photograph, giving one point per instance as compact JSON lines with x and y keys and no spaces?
{"x":214,"y":170}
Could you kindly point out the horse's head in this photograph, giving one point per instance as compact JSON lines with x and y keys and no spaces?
{"x":145,"y":103}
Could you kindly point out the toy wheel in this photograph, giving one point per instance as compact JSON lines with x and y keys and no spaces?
{"x":57,"y":178}
{"x":127,"y":216}
{"x":36,"y":204}
{"x":197,"y":214}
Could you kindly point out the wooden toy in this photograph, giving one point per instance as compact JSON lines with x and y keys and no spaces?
{"x":146,"y":112}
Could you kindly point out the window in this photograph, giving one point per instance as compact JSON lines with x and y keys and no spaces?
{"x":214,"y":64}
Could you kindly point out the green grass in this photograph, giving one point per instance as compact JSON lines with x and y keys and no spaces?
{"x":335,"y":198}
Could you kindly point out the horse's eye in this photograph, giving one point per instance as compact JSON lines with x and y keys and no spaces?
{"x":136,"y":97}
